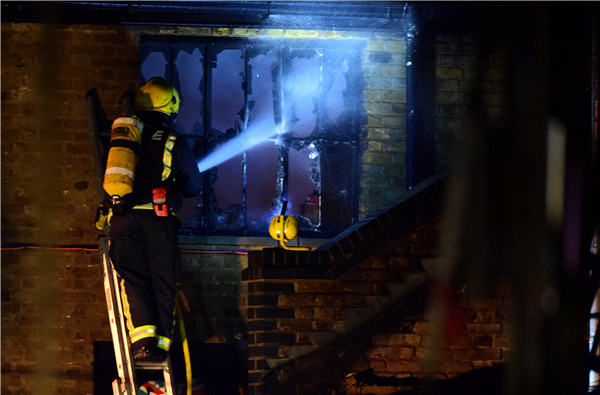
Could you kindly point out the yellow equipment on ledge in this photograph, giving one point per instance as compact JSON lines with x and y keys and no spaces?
{"x":284,"y":228}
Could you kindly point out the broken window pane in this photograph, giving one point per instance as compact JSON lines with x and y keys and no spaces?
{"x":155,"y":64}
{"x":227,"y":95}
{"x":228,"y":208}
{"x":261,"y":191}
{"x":335,"y":85}
{"x":190,"y":70}
{"x":261,"y":99}
{"x":301,"y":91}
{"x":303,"y":185}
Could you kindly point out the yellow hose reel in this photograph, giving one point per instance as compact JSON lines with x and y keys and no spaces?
{"x":284,"y":228}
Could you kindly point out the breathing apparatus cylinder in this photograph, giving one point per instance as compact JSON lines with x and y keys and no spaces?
{"x":125,"y":143}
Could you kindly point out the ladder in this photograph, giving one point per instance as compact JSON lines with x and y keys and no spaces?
{"x":125,"y":383}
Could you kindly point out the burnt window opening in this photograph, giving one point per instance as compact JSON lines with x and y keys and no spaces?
{"x":270,"y":121}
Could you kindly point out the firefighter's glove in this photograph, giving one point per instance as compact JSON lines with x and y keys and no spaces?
{"x":103,"y":215}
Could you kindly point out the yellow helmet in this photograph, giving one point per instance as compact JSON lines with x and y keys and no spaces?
{"x":157,"y":94}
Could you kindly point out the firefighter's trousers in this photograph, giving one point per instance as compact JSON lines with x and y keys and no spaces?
{"x":145,"y":253}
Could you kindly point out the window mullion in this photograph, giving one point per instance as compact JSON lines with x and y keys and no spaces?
{"x":208,"y":196}
{"x":246,"y":87}
{"x":280,"y":121}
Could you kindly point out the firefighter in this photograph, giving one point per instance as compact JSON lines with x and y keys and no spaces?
{"x":143,"y":228}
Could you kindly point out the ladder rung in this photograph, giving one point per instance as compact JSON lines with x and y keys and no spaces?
{"x":152,"y":365}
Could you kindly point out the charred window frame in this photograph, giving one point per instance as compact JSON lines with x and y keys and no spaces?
{"x":310,"y":92}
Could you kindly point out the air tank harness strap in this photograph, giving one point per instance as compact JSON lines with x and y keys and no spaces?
{"x":158,"y":204}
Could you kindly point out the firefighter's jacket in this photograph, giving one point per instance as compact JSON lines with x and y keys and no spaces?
{"x":164,"y":160}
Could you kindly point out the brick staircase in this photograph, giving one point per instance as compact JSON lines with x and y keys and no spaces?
{"x":354,"y":317}
{"x":303,"y":302}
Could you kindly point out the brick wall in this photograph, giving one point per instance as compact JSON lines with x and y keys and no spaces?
{"x":46,"y":150}
{"x":52,"y":300}
{"x":470,"y":76}
{"x":212,"y":285}
{"x":383,"y":176}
